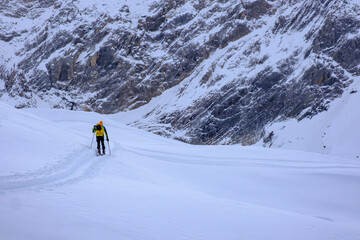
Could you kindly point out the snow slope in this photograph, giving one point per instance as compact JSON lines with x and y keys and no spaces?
{"x":52,"y":186}
{"x":335,"y":131}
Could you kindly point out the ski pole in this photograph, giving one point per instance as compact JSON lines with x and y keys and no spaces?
{"x":109,"y":147}
{"x":92,"y":140}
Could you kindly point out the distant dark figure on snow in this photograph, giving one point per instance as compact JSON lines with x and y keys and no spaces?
{"x":100,"y":131}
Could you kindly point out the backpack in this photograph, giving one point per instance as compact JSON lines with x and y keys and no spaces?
{"x":97,"y":127}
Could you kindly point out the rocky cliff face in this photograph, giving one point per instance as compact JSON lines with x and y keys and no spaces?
{"x":220,"y":70}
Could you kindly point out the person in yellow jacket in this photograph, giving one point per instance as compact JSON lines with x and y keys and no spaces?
{"x":100,"y":130}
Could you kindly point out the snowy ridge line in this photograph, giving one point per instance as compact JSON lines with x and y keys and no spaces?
{"x":62,"y":173}
{"x":239,"y":161}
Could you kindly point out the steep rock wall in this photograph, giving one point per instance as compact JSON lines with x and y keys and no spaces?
{"x":233,"y":66}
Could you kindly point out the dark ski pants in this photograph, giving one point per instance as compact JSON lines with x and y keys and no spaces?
{"x":100,"y":139}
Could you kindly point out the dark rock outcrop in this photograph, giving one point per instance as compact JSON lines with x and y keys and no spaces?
{"x":234,"y":65}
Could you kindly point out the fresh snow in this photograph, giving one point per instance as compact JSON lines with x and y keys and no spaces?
{"x":52,"y":186}
{"x":335,"y":131}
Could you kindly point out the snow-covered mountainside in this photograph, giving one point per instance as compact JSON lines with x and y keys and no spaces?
{"x":224,"y":70}
{"x":52,"y":186}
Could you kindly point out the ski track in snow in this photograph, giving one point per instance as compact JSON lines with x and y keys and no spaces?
{"x":81,"y":165}
{"x":238,"y":161}
{"x":77,"y":166}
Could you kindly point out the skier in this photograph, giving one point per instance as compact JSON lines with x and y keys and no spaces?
{"x":100,"y":130}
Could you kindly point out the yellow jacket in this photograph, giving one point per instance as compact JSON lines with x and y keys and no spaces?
{"x":100,"y":130}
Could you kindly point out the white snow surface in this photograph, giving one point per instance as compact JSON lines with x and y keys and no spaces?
{"x":52,"y":186}
{"x":335,"y":131}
